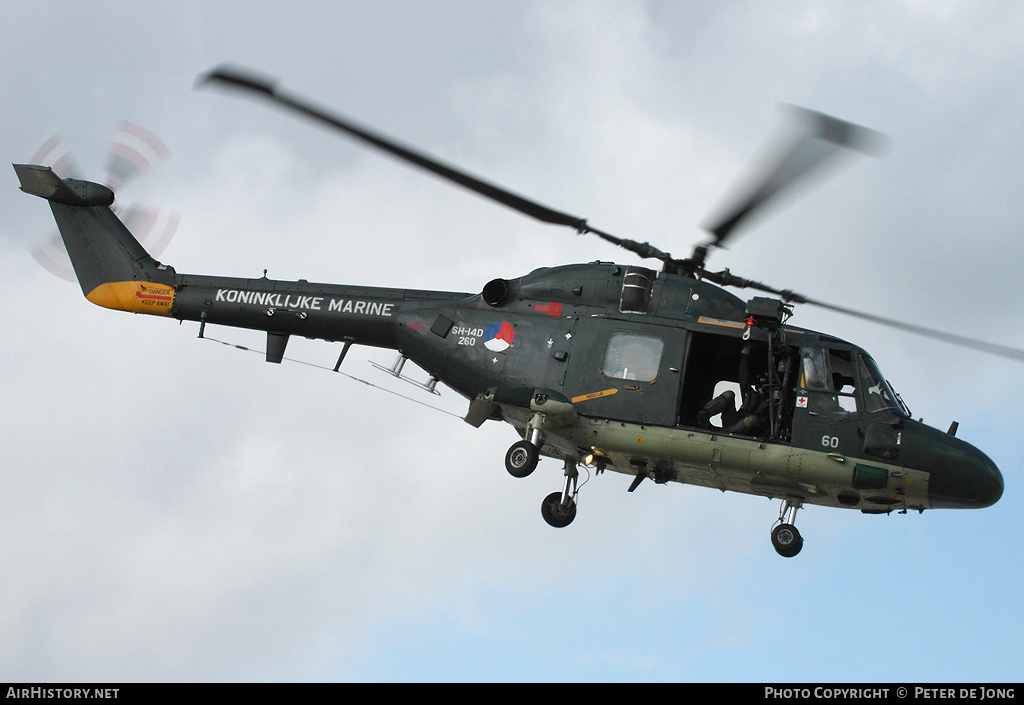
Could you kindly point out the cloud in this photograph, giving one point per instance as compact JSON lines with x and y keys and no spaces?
{"x":176,"y":509}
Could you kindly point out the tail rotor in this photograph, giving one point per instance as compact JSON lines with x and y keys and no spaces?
{"x":132,"y":151}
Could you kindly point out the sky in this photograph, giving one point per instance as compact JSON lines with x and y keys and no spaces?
{"x":174,"y":509}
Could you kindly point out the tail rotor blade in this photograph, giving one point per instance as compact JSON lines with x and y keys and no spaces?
{"x":56,"y":154}
{"x":153,"y":227}
{"x":133,"y":150}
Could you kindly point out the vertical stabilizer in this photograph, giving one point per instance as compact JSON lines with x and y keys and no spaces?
{"x":111,"y":266}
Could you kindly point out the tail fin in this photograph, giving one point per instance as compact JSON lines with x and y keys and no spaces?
{"x":112,"y":267}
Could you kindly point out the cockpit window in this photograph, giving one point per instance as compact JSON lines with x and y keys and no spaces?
{"x":633,"y":356}
{"x":878,"y":395}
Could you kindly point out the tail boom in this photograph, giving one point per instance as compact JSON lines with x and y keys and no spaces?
{"x":116,"y":272}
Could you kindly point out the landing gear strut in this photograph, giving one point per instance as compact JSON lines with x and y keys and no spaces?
{"x":559,"y":508}
{"x":785,"y":537}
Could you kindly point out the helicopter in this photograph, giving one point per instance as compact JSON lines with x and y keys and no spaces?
{"x":659,"y":374}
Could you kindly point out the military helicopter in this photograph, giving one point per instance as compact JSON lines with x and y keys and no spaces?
{"x":660,"y":375}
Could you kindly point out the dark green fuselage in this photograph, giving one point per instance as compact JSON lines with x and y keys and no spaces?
{"x":600,"y":361}
{"x":550,"y":332}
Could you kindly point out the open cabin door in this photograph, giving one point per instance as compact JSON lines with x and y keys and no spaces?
{"x":738,"y":386}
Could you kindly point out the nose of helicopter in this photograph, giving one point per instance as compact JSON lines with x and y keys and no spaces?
{"x":963,"y":477}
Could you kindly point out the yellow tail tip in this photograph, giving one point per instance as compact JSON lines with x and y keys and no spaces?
{"x":136,"y":297}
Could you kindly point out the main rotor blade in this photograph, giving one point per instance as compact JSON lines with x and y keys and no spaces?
{"x":821,"y":140}
{"x":726,"y":278}
{"x":959,"y":340}
{"x":261,"y":86}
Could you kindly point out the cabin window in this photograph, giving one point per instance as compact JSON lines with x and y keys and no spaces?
{"x":828,"y":376}
{"x":814,"y":370}
{"x":633,"y":356}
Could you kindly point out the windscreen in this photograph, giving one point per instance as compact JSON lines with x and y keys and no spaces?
{"x":878,"y":395}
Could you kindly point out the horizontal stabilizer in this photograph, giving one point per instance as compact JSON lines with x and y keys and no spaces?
{"x":43,"y":182}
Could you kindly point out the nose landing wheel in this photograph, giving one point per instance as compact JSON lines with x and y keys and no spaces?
{"x":787,"y":540}
{"x":785,"y":537}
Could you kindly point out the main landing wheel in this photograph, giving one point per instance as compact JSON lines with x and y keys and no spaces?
{"x":521,"y":459}
{"x":555,"y":513}
{"x":787,"y":540}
